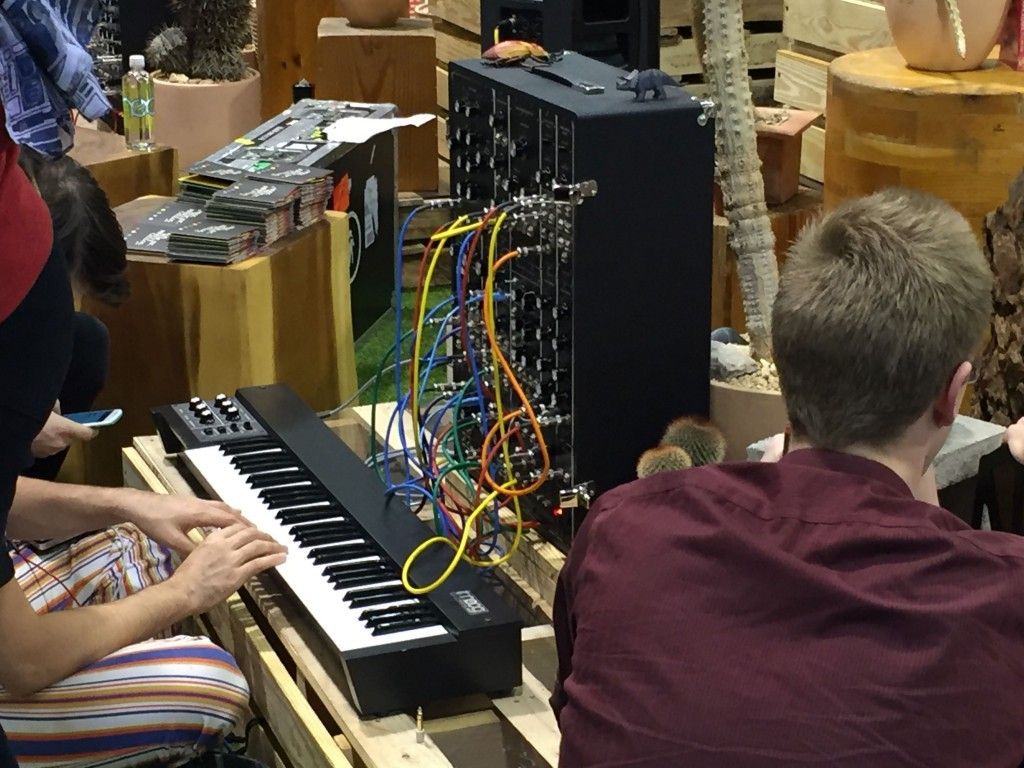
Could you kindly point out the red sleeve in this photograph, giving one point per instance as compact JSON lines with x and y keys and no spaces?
{"x":26,"y":232}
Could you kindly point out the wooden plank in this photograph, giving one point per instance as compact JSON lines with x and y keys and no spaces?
{"x":464,"y":14}
{"x":290,"y":717}
{"x":681,"y":58}
{"x":800,"y":81}
{"x":442,"y":141}
{"x":530,"y":713}
{"x":678,"y":13}
{"x":441,"y":72}
{"x":812,"y":154}
{"x":455,"y":44}
{"x":837,"y":25}
{"x":762,"y":89}
{"x":674,"y":13}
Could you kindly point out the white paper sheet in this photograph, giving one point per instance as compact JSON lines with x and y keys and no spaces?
{"x":356,"y":130}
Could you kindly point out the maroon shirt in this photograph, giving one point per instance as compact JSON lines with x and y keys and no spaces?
{"x":806,"y":613}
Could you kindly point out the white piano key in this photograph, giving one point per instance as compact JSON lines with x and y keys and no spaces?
{"x":326,"y":604}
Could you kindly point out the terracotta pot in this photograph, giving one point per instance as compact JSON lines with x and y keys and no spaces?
{"x":745,"y":416}
{"x":373,"y":14}
{"x":199,"y":119}
{"x":924,"y":34}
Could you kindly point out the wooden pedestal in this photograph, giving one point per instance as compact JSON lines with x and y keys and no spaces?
{"x":287,"y":48}
{"x":959,"y":136}
{"x":390,"y":66}
{"x":122,"y":173}
{"x":197,"y":329}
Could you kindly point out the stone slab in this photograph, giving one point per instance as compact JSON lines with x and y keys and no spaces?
{"x":968,"y":441}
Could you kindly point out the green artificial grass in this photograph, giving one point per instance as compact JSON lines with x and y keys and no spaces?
{"x":378,"y":340}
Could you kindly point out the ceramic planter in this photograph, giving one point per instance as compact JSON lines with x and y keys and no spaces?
{"x":198,"y":119}
{"x":373,"y":14}
{"x":924,"y":35}
{"x":745,"y":416}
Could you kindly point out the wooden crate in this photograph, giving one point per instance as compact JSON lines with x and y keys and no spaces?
{"x":817,"y":31}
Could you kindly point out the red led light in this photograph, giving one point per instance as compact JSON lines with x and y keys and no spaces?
{"x":557,"y":512}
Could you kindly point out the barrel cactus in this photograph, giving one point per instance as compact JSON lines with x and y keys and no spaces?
{"x":703,"y":442}
{"x":664,"y":458}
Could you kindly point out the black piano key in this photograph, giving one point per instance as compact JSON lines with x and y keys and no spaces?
{"x":404,"y":624}
{"x":295,"y":504}
{"x":276,"y":477}
{"x":310,"y":491}
{"x":354,"y":553}
{"x":320,"y":538}
{"x":264,"y":457}
{"x":331,"y":526}
{"x":248,"y":445}
{"x":347,"y":582}
{"x":346,"y":567}
{"x":362,"y":598}
{"x":376,"y":614}
{"x":295,"y":515}
{"x":358,"y":569}
{"x":248,"y":466}
{"x":329,"y":555}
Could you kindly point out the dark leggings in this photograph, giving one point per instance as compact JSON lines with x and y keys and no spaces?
{"x":87,"y":373}
{"x":35,"y":351}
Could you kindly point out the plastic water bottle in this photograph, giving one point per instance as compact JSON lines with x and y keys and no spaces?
{"x":137,"y":98}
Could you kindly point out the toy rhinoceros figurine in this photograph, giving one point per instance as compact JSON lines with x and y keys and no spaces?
{"x":642,"y":82}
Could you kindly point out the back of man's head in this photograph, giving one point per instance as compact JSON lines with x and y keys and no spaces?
{"x":878,"y":304}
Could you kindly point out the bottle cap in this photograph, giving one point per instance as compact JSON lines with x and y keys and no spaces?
{"x":137,"y":61}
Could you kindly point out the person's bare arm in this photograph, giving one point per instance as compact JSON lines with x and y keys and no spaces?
{"x":37,"y":651}
{"x":45,"y":510}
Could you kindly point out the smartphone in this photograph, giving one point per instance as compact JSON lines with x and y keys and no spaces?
{"x":104,"y":418}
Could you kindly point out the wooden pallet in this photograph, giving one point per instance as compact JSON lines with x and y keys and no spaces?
{"x":296,"y":680}
{"x":818,"y":31}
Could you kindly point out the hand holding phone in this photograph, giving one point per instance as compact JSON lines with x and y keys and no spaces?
{"x":96,"y":419}
{"x":58,"y":434}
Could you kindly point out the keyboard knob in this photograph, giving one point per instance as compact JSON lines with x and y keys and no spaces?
{"x":231,"y":413}
{"x":195,"y":404}
{"x":226,"y":404}
{"x":206,"y":417}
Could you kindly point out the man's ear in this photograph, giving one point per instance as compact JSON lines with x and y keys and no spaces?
{"x":947,"y":404}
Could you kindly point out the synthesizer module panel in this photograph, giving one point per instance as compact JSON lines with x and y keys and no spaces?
{"x":607,"y":317}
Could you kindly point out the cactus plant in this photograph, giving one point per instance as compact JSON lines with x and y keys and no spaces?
{"x":702,"y":440}
{"x":664,"y":458}
{"x":718,"y":31}
{"x":207,"y":41}
{"x":958,"y":28}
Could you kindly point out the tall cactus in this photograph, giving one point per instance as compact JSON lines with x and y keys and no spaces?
{"x":718,"y":28}
{"x":958,"y":27}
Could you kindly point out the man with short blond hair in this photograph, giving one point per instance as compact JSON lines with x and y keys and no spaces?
{"x":821,"y":610}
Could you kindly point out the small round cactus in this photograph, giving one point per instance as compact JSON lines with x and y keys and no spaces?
{"x":701,"y":439}
{"x":664,"y":458}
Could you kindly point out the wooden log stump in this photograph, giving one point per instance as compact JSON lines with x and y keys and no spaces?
{"x":391,"y":66}
{"x":959,"y":135}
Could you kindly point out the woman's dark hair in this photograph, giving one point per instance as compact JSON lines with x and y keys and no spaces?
{"x":84,"y":226}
